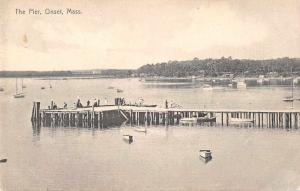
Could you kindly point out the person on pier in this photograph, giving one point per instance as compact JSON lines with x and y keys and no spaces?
{"x":65,"y":105}
{"x":88,"y":103}
{"x":166,"y":104}
{"x":78,"y":105}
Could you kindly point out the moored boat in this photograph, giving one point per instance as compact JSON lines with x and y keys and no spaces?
{"x":206,"y":119}
{"x":288,"y":99}
{"x":128,"y":138}
{"x":3,"y":160}
{"x":197,"y":119}
{"x":19,"y":94}
{"x":205,"y":153}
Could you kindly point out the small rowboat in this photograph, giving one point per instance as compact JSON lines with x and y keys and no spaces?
{"x":205,"y":153}
{"x":128,"y":138}
{"x":197,"y":119}
{"x":241,"y":120}
{"x":19,"y":95}
{"x":3,"y":160}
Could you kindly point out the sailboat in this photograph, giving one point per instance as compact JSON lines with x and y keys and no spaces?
{"x":23,"y":86}
{"x":18,"y":94}
{"x":50,"y":86}
{"x":290,"y":98}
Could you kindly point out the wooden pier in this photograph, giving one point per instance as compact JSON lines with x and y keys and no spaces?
{"x":114,"y":115}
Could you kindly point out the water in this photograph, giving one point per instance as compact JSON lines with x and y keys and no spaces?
{"x":162,"y":159}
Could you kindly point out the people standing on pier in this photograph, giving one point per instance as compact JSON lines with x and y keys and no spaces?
{"x":98,"y":102}
{"x":95,"y":104}
{"x":78,"y":105}
{"x":166,"y":104}
{"x":88,"y":103}
{"x":65,"y":105}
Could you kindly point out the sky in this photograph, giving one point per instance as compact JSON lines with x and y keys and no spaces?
{"x":127,"y":34}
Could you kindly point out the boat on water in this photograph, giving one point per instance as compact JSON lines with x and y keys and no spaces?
{"x":110,"y":87}
{"x":149,"y":105}
{"x":205,"y":153}
{"x":241,"y":120}
{"x":206,"y":119}
{"x":291,"y":98}
{"x":128,"y":138}
{"x":119,"y":91}
{"x":288,"y":99}
{"x":3,"y":160}
{"x":19,"y":94}
{"x":1,"y":89}
{"x":197,"y":119}
{"x":42,"y":87}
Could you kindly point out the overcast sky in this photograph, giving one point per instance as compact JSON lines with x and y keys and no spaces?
{"x":128,"y":34}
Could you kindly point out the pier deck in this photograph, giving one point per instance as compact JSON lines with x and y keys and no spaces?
{"x":138,"y":115}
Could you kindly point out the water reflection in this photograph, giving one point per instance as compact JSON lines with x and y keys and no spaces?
{"x":205,"y":160}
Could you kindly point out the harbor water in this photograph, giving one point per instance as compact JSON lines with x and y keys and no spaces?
{"x":165,"y":158}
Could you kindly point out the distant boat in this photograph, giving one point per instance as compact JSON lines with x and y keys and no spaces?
{"x":241,"y":120}
{"x":149,"y":105}
{"x":206,"y":119}
{"x":288,"y":99}
{"x":50,"y":86}
{"x":128,"y":138}
{"x":18,"y":94}
{"x":1,"y":89}
{"x":42,"y":87}
{"x":291,"y":98}
{"x":110,"y":87}
{"x":3,"y":160}
{"x":205,"y":153}
{"x":197,"y":119}
{"x":119,"y":90}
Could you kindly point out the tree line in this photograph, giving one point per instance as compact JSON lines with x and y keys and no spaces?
{"x":218,"y":67}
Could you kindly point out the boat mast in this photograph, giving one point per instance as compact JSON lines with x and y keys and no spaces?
{"x":22,"y":86}
{"x":16,"y":85}
{"x":292,"y":88}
